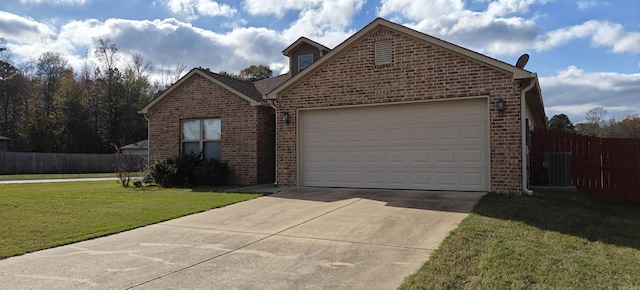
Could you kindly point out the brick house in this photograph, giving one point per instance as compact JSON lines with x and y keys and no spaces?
{"x":390,"y":107}
{"x":222,"y":117}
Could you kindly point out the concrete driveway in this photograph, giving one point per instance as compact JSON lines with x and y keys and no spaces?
{"x":297,"y":238}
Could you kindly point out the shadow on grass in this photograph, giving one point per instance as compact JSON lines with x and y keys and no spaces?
{"x":575,"y":214}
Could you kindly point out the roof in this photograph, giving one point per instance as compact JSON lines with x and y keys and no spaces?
{"x":243,"y":89}
{"x":287,"y":51}
{"x":144,"y":144}
{"x":3,"y":138}
{"x":267,"y":85}
{"x":517,"y":73}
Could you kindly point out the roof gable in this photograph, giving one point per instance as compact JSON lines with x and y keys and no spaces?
{"x":242,"y":89}
{"x":287,"y":51}
{"x":516,"y":72}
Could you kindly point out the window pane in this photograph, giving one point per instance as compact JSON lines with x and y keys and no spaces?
{"x":304,"y":61}
{"x":212,"y":129}
{"x":190,"y":147}
{"x":191,"y":130}
{"x":212,"y":150}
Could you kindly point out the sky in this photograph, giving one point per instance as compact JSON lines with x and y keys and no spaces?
{"x":586,"y":53}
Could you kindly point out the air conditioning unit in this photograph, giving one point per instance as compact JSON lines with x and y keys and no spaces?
{"x":557,"y":168}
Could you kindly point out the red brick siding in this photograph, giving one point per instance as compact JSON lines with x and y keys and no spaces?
{"x":199,"y":98}
{"x":266,"y":145}
{"x":419,"y":72}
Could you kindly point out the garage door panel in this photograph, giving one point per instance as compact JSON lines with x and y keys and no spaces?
{"x":438,"y":146}
{"x":445,"y":178}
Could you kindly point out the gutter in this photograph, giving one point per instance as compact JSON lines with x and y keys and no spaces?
{"x":523,"y":120}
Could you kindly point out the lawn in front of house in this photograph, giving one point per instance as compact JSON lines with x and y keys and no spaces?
{"x":43,"y":215}
{"x":556,"y":240}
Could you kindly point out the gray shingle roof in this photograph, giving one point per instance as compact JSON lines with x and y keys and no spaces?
{"x":246,"y":88}
{"x":267,"y":85}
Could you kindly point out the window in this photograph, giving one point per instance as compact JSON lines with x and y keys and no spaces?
{"x":383,"y":53}
{"x":304,"y":61}
{"x":202,"y":136}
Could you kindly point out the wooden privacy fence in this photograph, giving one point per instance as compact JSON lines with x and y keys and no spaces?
{"x":607,"y":168}
{"x":32,"y":162}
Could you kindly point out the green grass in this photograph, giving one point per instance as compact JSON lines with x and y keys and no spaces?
{"x":556,"y":240}
{"x":53,"y":176}
{"x":44,"y":215}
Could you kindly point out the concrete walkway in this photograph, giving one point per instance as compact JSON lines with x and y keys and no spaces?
{"x":297,"y":238}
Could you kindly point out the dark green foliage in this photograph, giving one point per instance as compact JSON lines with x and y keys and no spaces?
{"x":161,"y":171}
{"x":189,"y":170}
{"x":53,"y":108}
{"x":256,"y":73}
{"x":561,"y":123}
{"x":211,"y":172}
{"x":252,"y":73}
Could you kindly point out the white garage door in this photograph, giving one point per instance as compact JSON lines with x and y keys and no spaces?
{"x":432,"y":145}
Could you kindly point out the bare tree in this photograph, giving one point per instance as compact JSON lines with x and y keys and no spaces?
{"x":595,"y":118}
{"x":168,"y":76}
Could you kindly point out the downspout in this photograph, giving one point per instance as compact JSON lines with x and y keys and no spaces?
{"x":523,"y":121}
{"x":270,"y":102}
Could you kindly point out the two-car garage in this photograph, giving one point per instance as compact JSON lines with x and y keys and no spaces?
{"x":432,"y":145}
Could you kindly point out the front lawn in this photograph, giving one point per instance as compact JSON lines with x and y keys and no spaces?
{"x":44,"y":215}
{"x":556,"y":240}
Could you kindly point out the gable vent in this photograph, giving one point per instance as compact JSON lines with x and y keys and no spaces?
{"x":383,"y":52}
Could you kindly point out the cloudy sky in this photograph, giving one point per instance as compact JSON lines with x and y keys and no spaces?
{"x":586,"y":53}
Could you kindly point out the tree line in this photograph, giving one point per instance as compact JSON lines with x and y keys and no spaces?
{"x":46,"y":106}
{"x":596,"y":125}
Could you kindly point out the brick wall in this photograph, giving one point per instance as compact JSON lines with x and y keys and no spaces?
{"x":418,"y":71}
{"x":266,"y":145}
{"x":198,"y":98}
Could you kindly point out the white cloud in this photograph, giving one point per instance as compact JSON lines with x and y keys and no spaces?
{"x":166,"y":43}
{"x":574,"y":91}
{"x":591,"y":3}
{"x":495,"y":30}
{"x":601,"y":33}
{"x":326,"y":23}
{"x":500,"y":29}
{"x":23,"y":30}
{"x":421,"y":10}
{"x":193,"y":9}
{"x":278,"y":8}
{"x":55,"y":2}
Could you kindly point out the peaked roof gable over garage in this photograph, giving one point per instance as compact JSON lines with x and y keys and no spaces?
{"x":534,"y":98}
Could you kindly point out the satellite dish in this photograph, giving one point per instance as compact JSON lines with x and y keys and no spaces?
{"x":522,"y":61}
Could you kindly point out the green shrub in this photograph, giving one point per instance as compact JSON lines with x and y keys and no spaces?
{"x":189,"y":170}
{"x":211,"y":172}
{"x":163,"y":171}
